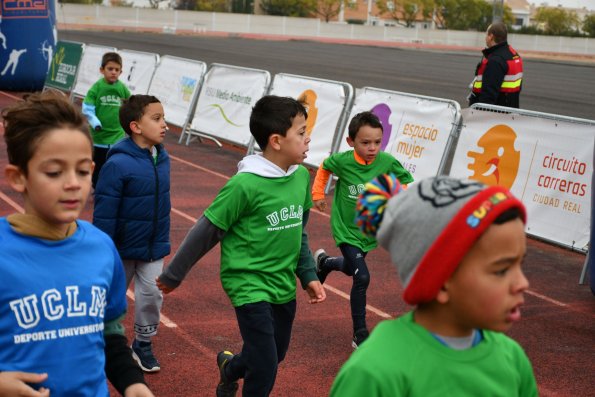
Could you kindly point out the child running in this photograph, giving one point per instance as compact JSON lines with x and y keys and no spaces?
{"x":63,"y":287}
{"x":458,"y":246}
{"x":353,"y":168}
{"x":101,"y":106}
{"x":132,"y":205}
{"x":259,"y":217}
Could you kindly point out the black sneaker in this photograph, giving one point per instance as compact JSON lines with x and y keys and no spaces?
{"x":142,"y":353}
{"x":359,"y":337}
{"x":225,"y":388}
{"x":320,"y":257}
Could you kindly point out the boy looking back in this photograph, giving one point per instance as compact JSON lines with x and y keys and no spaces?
{"x":353,"y":168}
{"x":458,"y":246}
{"x":259,"y":216}
{"x":132,"y":205}
{"x":102,"y":105}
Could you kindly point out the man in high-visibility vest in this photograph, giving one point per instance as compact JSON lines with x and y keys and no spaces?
{"x":499,"y":75}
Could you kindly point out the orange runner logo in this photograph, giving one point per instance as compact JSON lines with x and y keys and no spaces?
{"x":498,"y":163}
{"x":308,"y":99}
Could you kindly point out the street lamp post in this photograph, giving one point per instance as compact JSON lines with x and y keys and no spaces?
{"x":497,"y":11}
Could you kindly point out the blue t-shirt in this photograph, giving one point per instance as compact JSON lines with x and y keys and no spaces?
{"x":54,"y":299}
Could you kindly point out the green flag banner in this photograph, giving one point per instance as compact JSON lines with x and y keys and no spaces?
{"x":65,"y":62}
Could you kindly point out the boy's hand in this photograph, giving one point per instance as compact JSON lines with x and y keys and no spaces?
{"x":316,"y":292}
{"x":14,"y":383}
{"x":162,"y":287}
{"x":320,"y":205}
{"x":138,"y":390}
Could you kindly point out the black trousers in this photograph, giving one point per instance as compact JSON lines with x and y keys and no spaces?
{"x":99,"y":157}
{"x":266,"y":331}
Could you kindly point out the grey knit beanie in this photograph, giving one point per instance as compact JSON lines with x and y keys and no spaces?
{"x":429,"y":227}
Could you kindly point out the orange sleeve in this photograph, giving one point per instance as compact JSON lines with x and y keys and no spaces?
{"x":320,"y":181}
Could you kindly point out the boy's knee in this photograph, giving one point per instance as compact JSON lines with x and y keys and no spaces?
{"x":361,"y":280}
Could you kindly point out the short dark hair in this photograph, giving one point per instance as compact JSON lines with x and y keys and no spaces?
{"x":508,"y":215}
{"x":111,"y":57}
{"x":498,"y":29}
{"x":28,"y":121}
{"x":273,"y":115}
{"x":362,"y":119}
{"x":133,"y":109}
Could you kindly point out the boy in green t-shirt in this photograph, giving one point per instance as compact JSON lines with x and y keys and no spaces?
{"x":259,"y":217}
{"x":102,"y":106}
{"x":458,"y":246}
{"x":353,"y":168}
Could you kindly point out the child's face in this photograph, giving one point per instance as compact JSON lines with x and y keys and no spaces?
{"x":486,"y":290}
{"x":59,"y":177}
{"x":150,"y":129}
{"x":111,"y":71}
{"x":295,"y":144}
{"x":367,"y":142}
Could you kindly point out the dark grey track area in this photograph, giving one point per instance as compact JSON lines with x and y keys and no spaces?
{"x":565,"y":88}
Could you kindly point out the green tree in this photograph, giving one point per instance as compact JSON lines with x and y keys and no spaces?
{"x":467,"y":14}
{"x":212,"y":5}
{"x":406,"y":12}
{"x":589,"y":25}
{"x":328,"y":9}
{"x":289,"y":8}
{"x":556,"y":21}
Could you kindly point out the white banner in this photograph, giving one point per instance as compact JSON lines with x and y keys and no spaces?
{"x":416,"y":129}
{"x":226,"y":100}
{"x":176,"y":84}
{"x":325,"y":101}
{"x":547,"y":163}
{"x":88,"y":72}
{"x":138,"y":70}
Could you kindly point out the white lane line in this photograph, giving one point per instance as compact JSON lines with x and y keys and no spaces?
{"x":10,"y":202}
{"x":545,"y":298}
{"x":164,"y":319}
{"x":346,"y":296}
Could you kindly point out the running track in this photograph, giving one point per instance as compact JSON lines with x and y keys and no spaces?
{"x":557,"y":330}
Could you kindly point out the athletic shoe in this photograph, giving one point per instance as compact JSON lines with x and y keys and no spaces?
{"x":320,"y":257}
{"x":359,"y":337}
{"x":142,"y":353}
{"x":225,"y":388}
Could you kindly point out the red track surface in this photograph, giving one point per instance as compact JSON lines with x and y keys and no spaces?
{"x":557,"y":330}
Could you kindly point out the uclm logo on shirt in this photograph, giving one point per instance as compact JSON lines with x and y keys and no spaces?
{"x":496,"y":163}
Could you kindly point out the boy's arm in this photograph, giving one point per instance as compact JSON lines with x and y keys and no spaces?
{"x":89,"y":112}
{"x":108,"y":196}
{"x":121,"y":369}
{"x":88,"y":108}
{"x":306,"y":267}
{"x":203,"y":236}
{"x":320,"y":181}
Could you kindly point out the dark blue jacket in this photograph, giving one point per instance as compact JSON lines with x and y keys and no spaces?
{"x":132,"y":203}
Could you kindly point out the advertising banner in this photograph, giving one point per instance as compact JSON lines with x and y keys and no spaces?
{"x":138,"y":70}
{"x":415,"y":128}
{"x":325,"y":101}
{"x":176,"y":83}
{"x":28,"y":39}
{"x":546,"y":162}
{"x":88,"y":72}
{"x":64,"y":66}
{"x":225,"y":102}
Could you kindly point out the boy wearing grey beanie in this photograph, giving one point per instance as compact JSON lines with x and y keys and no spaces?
{"x":458,"y":246}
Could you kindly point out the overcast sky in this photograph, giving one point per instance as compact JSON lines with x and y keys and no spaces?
{"x":589,"y":4}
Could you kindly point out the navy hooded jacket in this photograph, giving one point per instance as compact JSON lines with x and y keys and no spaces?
{"x":132,"y":201}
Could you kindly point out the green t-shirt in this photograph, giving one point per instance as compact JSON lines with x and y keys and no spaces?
{"x":352,"y":178}
{"x":107,"y":99}
{"x":401,"y":358}
{"x":262,"y":218}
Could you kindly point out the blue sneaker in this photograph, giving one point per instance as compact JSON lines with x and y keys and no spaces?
{"x":142,"y":353}
{"x":225,"y":388}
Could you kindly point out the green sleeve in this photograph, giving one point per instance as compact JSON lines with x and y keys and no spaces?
{"x":401,"y":173}
{"x":114,"y":327}
{"x":528,"y":386}
{"x":306,"y":268}
{"x":91,"y":97}
{"x":357,"y":382}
